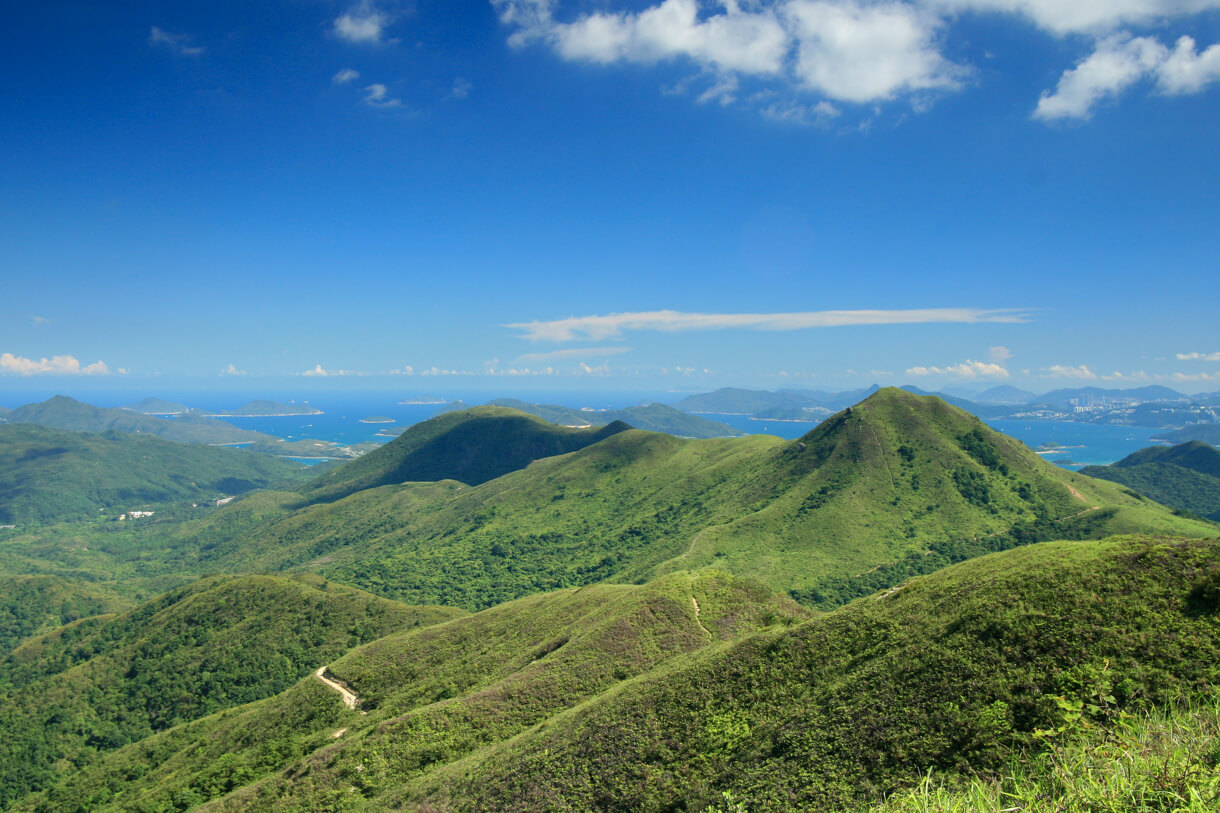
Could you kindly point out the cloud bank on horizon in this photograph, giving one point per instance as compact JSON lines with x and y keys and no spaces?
{"x":863,"y":53}
{"x":612,"y":325}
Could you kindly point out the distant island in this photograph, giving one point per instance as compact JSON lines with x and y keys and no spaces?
{"x":377,"y":419}
{"x":158,"y":406}
{"x":268,"y":409}
{"x":423,"y":400}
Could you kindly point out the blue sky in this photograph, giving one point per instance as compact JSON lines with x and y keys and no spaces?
{"x":551,"y":194}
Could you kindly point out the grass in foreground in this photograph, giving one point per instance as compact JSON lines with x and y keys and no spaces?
{"x":1158,"y":761}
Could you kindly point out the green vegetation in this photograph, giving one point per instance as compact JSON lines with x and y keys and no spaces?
{"x":435,"y":695}
{"x":1162,"y":760}
{"x":650,"y":418}
{"x":32,"y":605}
{"x":1184,"y":477}
{"x":62,"y":412}
{"x":48,"y":475}
{"x":701,"y":692}
{"x":101,"y":683}
{"x":158,"y":406}
{"x":472,"y":446}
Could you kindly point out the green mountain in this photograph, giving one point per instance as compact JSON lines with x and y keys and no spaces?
{"x":62,"y":412}
{"x":101,"y":683}
{"x":1207,"y":432}
{"x":158,"y":406}
{"x":48,"y":475}
{"x":471,"y":446}
{"x":683,"y":694}
{"x":1184,"y":477}
{"x":651,"y":418}
{"x":32,"y":605}
{"x":896,"y":486}
{"x":432,"y":696}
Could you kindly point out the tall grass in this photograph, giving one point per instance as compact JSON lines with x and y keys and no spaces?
{"x":1167,"y":760}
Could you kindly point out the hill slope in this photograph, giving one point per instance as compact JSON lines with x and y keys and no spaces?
{"x":100,"y":683}
{"x":471,"y":446}
{"x":431,"y":696}
{"x":1185,"y":477}
{"x":604,"y":699}
{"x":650,"y":418}
{"x":62,"y":412}
{"x":48,"y":474}
{"x":32,"y":605}
{"x":873,"y":486}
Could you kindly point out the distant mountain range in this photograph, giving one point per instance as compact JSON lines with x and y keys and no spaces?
{"x":62,"y":412}
{"x":254,"y":409}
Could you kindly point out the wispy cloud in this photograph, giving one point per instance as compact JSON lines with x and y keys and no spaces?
{"x":1000,"y":353}
{"x":378,"y":95}
{"x":572,"y":353}
{"x":363,"y":23}
{"x":461,"y":88}
{"x":344,"y":76}
{"x":1066,"y":371}
{"x":180,"y":44}
{"x":232,"y":370}
{"x":1198,"y":356}
{"x":41,"y":320}
{"x":615,"y":324}
{"x":967,"y":369}
{"x":56,"y":365}
{"x":322,"y":372}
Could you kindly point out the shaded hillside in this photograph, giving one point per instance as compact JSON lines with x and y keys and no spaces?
{"x":432,"y":696}
{"x":896,"y":475}
{"x":62,"y":412}
{"x":1207,"y":432}
{"x":100,"y":683}
{"x":1184,"y":477}
{"x":953,"y":673}
{"x":32,"y":605}
{"x":471,"y":446}
{"x":650,"y":418}
{"x":49,"y":474}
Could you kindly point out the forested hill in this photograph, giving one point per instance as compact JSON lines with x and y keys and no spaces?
{"x":62,"y":412}
{"x":471,"y":446}
{"x":48,"y":475}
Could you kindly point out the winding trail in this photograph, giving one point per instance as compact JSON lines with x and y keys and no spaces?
{"x":349,"y":698}
{"x":699,"y":620}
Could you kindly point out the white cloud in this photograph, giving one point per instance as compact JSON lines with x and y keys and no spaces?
{"x":821,"y":113}
{"x":1119,"y":61}
{"x":320,"y":371}
{"x":378,"y":95}
{"x":56,"y":365}
{"x":346,"y":75}
{"x":1063,"y":371}
{"x":178,"y":43}
{"x":967,"y":369}
{"x":863,"y":52}
{"x":1079,"y":16}
{"x":1000,"y":353}
{"x":1195,"y":377}
{"x":572,"y":352}
{"x":610,"y":325}
{"x":407,"y":370}
{"x":363,"y":23}
{"x":232,"y":370}
{"x":1185,"y":71}
{"x":1198,"y":356}
{"x":41,"y":320}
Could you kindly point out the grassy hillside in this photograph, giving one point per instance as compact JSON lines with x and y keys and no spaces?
{"x":100,"y":683}
{"x":954,"y":673}
{"x":32,"y":605}
{"x":1184,"y":477}
{"x":62,"y":412}
{"x":650,"y":418}
{"x":626,"y":698}
{"x":471,"y":446}
{"x":49,"y":474}
{"x":430,"y":696}
{"x":897,"y":486}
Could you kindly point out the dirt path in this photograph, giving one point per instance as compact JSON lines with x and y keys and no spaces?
{"x":699,"y":620}
{"x":349,"y":698}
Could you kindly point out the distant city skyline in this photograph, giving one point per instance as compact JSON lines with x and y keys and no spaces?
{"x":542,"y":195}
